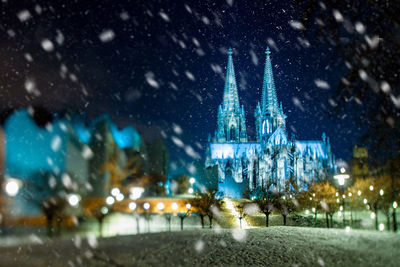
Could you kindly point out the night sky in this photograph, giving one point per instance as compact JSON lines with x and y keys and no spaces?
{"x":160,"y":66}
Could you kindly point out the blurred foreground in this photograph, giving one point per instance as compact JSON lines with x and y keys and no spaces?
{"x":277,"y":246}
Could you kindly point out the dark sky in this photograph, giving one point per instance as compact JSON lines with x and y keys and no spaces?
{"x":161,"y":65}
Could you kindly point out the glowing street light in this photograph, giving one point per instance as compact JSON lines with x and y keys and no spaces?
{"x":132,"y":206}
{"x":372,"y":215}
{"x":110,"y":200}
{"x":341,"y":178}
{"x":119,"y":197}
{"x":371,"y":188}
{"x":136,"y":192}
{"x":12,"y":187}
{"x":188,"y":206}
{"x":394,"y":204}
{"x":73,"y":200}
{"x":192,"y":181}
{"x":160,"y":206}
{"x":174,"y":206}
{"x":115,"y":191}
{"x":104,"y":210}
{"x":381,"y":227}
{"x":146,"y":205}
{"x":365,"y":201}
{"x":190,"y":190}
{"x":359,"y":192}
{"x":381,"y":192}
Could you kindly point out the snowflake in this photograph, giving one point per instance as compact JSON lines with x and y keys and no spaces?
{"x":24,"y":15}
{"x":107,"y":35}
{"x":47,"y":45}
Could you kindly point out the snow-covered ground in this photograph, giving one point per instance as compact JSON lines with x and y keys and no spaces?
{"x":274,"y":246}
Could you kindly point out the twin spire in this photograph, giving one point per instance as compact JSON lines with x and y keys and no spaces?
{"x":231,"y":98}
{"x":269,"y":101}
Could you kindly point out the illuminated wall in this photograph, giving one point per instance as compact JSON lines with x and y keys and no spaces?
{"x":64,"y":146}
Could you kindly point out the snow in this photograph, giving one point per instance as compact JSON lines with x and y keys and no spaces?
{"x":164,"y":16}
{"x":360,"y":28}
{"x":56,"y":143}
{"x":177,"y":141}
{"x":24,"y":15}
{"x":47,"y":45}
{"x":337,"y":15}
{"x":385,"y":87}
{"x":190,"y":75}
{"x":321,"y":84}
{"x":277,"y":246}
{"x":372,"y":42}
{"x":297,"y":25}
{"x":87,"y":153}
{"x":151,"y":80}
{"x":107,"y":35}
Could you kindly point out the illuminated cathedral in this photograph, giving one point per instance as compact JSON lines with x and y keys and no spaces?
{"x":273,"y":159}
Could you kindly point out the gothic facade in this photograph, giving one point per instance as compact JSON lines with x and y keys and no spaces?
{"x":273,"y":158}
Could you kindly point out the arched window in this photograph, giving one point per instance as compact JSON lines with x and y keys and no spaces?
{"x":232,"y":133}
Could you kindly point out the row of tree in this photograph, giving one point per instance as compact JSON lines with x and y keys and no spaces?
{"x":374,"y":194}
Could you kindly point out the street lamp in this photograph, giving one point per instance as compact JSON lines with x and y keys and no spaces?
{"x":136,"y":192}
{"x":174,"y":206}
{"x":73,"y":200}
{"x":146,"y":205}
{"x":341,"y":178}
{"x":110,"y":200}
{"x":160,"y":206}
{"x":115,"y":191}
{"x":132,"y":206}
{"x":119,"y":197}
{"x":11,"y":187}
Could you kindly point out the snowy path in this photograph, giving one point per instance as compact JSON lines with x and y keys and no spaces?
{"x":275,"y":246}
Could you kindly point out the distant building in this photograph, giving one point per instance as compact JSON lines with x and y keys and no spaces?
{"x":158,"y":157}
{"x":65,"y":149}
{"x":273,"y":158}
{"x":359,"y":163}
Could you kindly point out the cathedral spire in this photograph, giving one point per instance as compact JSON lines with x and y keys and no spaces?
{"x":231,"y":99}
{"x":269,"y":102}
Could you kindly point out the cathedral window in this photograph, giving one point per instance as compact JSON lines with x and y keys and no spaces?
{"x":232,"y":133}
{"x":263,"y":127}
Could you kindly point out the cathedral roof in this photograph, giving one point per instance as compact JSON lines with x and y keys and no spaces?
{"x":316,"y":149}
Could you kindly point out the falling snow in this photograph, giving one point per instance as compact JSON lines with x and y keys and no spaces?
{"x":107,"y":36}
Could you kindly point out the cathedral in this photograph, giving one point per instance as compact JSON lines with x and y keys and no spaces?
{"x":273,"y":158}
